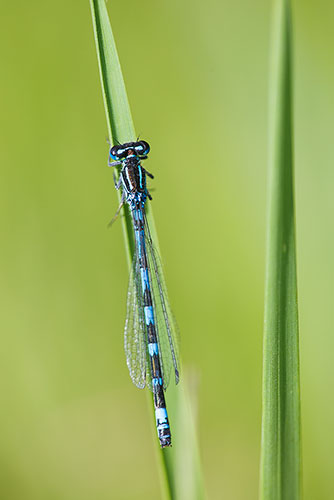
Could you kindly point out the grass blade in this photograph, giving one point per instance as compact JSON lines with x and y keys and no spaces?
{"x":119,"y":119}
{"x":118,"y":114}
{"x":121,"y":129}
{"x":280,"y":454}
{"x":182,"y":461}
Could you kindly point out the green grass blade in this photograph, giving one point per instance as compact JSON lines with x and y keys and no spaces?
{"x":182,"y":461}
{"x":119,"y":119}
{"x":121,"y":129}
{"x":280,"y":454}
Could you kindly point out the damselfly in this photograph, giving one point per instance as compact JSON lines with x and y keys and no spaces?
{"x":150,"y":335}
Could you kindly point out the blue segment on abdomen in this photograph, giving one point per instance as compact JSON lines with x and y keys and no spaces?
{"x":140,"y":238}
{"x":144,"y":279}
{"x":153,"y":348}
{"x":162,"y":419}
{"x":149,"y":318}
{"x":138,"y":243}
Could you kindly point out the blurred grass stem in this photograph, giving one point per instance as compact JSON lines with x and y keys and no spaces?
{"x":280,"y":454}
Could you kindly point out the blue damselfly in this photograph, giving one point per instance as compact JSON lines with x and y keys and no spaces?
{"x":150,"y":335}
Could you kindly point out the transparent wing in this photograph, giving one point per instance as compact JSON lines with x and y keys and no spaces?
{"x":135,"y":330}
{"x":167,"y":330}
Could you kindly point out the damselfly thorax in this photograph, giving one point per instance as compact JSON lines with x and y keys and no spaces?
{"x":133,"y":175}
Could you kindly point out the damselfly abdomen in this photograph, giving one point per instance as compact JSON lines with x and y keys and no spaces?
{"x":150,"y":335}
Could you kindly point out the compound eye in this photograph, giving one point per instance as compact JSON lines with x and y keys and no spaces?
{"x":142,"y":148}
{"x":113,"y":153}
{"x":117,"y":152}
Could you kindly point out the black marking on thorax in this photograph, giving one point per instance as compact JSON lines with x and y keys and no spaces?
{"x":134,"y":178}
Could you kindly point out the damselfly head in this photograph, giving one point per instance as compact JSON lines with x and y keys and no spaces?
{"x":120,"y":151}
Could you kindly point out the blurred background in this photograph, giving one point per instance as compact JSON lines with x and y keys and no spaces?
{"x":197,"y":80}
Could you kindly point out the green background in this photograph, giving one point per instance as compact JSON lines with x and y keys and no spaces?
{"x":72,"y":425}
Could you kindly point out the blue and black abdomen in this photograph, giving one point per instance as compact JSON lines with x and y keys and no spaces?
{"x":154,"y":364}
